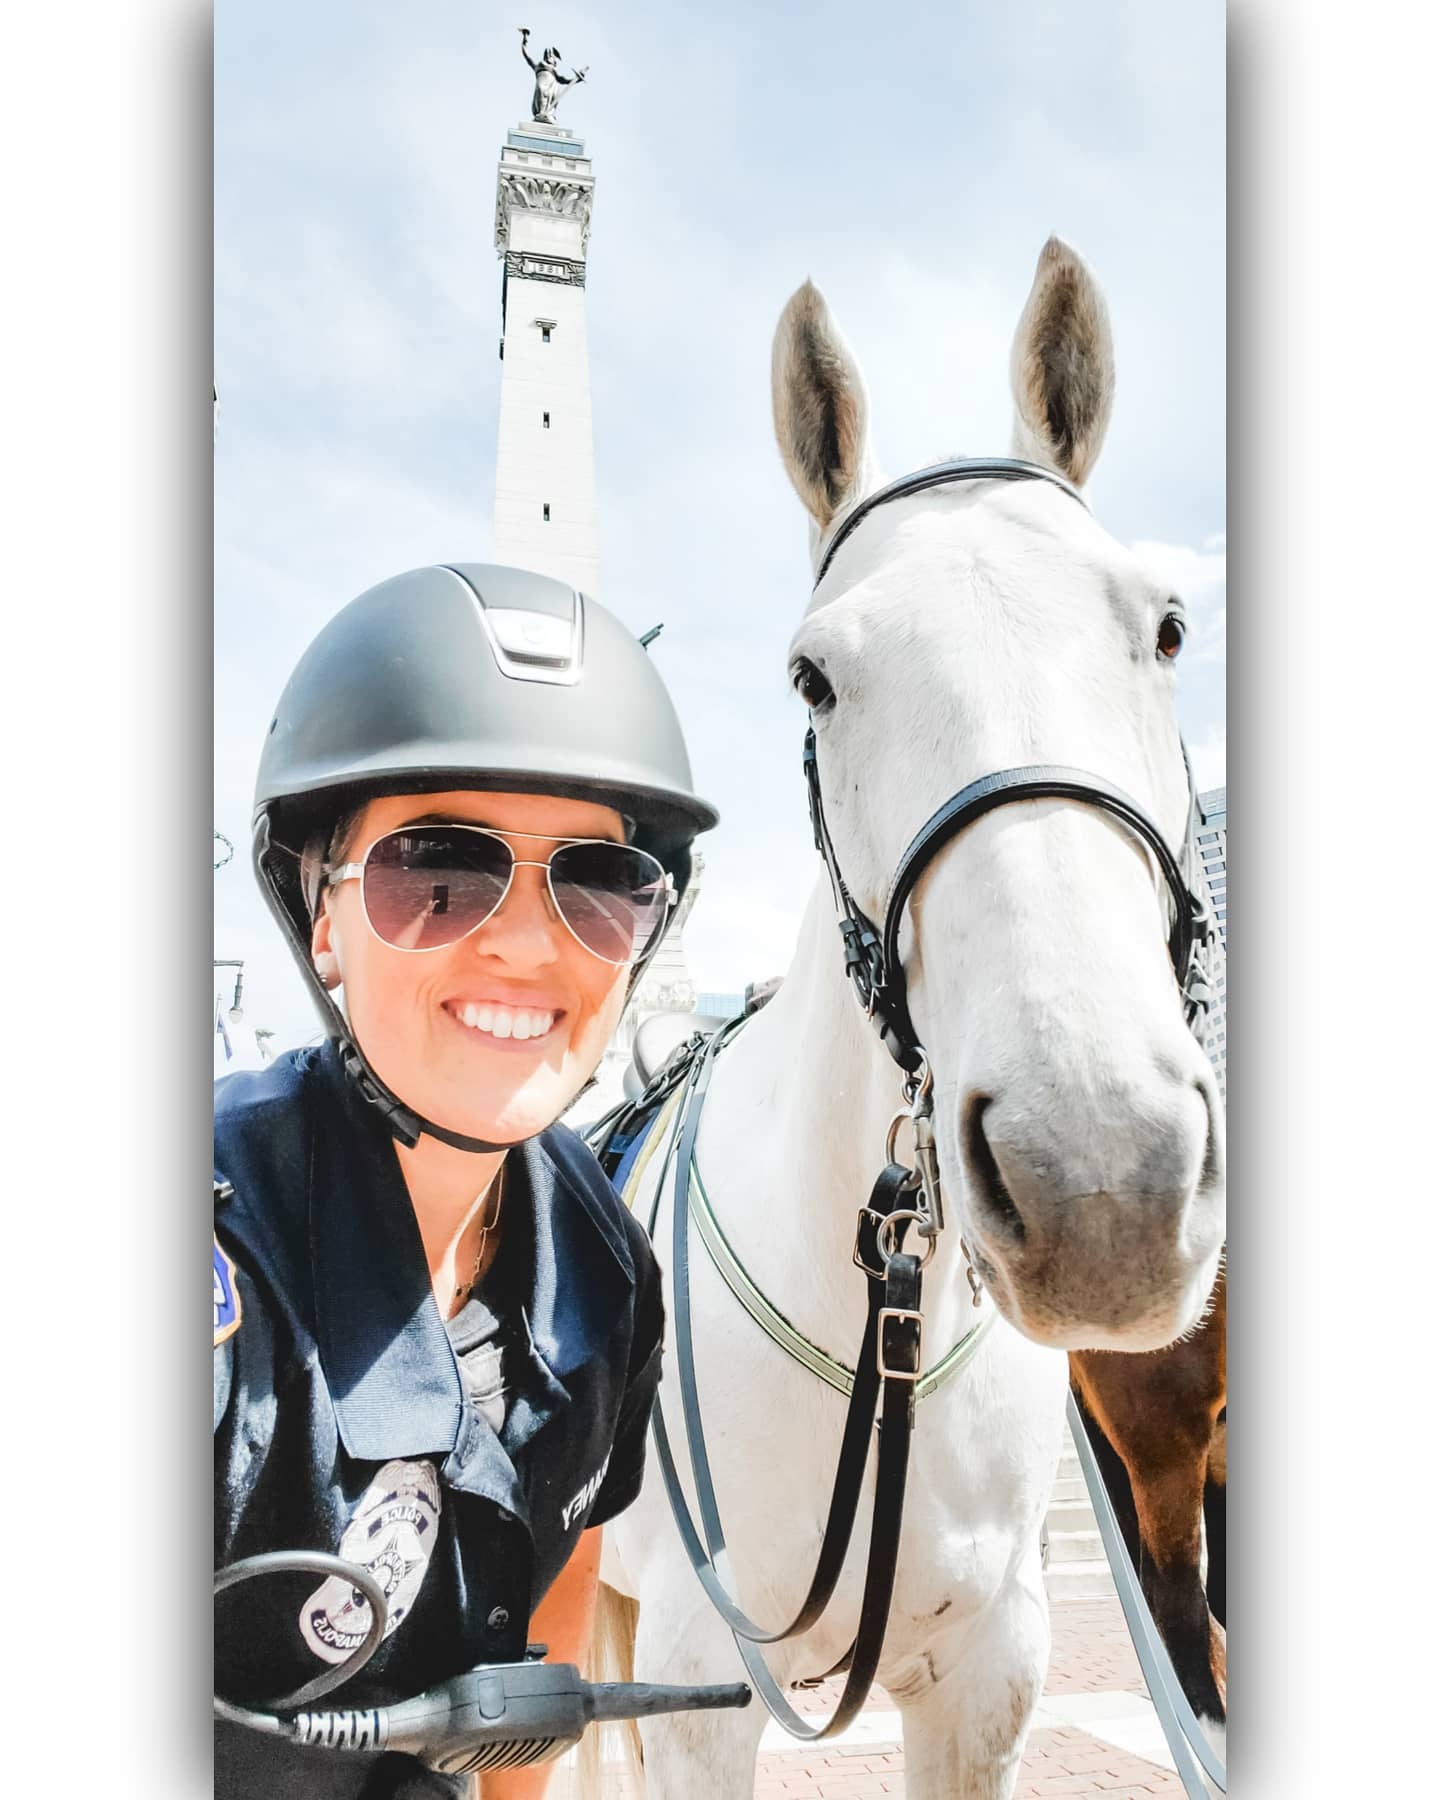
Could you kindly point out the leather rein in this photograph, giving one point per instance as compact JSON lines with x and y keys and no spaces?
{"x":888,"y":1364}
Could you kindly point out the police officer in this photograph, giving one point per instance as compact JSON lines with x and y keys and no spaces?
{"x":437,"y":1331}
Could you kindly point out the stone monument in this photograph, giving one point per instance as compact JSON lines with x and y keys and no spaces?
{"x":545,"y":517}
{"x":545,"y":465}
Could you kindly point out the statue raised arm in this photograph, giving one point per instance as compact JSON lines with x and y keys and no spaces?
{"x":548,"y":79}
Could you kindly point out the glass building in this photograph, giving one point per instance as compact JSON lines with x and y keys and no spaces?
{"x":1210,"y":832}
{"x":720,"y":1006}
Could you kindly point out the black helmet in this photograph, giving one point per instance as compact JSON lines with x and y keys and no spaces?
{"x":466,"y":675}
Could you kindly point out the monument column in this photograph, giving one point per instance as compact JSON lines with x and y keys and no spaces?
{"x":545,"y":467}
{"x":545,"y":516}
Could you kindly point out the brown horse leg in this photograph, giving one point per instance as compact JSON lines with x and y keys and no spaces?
{"x":1158,"y":1412}
{"x":1168,"y":1503}
{"x":1117,"y":1483}
{"x":1215,"y":1521}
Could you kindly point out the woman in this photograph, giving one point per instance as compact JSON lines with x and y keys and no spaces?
{"x":437,"y":1330}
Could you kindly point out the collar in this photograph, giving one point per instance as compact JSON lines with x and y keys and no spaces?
{"x":393,"y":1378}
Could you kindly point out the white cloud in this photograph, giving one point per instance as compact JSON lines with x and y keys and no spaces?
{"x":1198,"y":577}
{"x":1207,"y":758}
{"x":737,"y":936}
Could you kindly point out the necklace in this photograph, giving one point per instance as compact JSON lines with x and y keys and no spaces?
{"x":485,"y":1231}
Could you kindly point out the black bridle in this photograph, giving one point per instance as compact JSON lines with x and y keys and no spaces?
{"x":872,"y":957}
{"x":888,"y":1365}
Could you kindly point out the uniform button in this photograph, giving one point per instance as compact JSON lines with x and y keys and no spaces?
{"x":498,"y":1619}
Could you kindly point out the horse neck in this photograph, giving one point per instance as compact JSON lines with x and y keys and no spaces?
{"x":832,"y":1087}
{"x":798,"y":1118}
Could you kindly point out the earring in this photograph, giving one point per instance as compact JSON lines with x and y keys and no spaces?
{"x":328,"y":970}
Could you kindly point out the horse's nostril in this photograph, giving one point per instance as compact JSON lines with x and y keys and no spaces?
{"x":1211,"y":1173}
{"x":990,"y":1190}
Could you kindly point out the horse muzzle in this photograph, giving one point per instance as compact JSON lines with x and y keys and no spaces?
{"x":1104,"y":1238}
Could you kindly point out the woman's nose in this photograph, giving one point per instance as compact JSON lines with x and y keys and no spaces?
{"x":525,"y":928}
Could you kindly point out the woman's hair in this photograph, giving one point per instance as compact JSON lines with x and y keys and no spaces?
{"x":324,"y":850}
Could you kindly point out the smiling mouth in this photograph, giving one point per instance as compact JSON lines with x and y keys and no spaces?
{"x":498,"y":1024}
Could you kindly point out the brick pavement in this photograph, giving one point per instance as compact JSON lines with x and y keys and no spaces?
{"x":1091,"y":1654}
{"x":1090,"y":1649}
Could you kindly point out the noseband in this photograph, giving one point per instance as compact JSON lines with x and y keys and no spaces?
{"x":872,"y":957}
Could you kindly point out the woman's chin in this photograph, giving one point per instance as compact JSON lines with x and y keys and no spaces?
{"x":531,"y":1107}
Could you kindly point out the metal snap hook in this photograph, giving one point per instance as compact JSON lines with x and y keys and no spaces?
{"x":919,"y":1086}
{"x":927,"y":1165}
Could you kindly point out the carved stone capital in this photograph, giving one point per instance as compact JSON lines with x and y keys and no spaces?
{"x":521,"y":190}
{"x":676,"y":995}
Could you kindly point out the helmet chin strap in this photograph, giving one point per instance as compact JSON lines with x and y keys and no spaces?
{"x":405,"y":1123}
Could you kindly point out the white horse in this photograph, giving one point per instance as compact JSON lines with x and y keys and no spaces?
{"x":962,"y":630}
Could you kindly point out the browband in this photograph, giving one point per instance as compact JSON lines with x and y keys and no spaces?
{"x":958,"y":468}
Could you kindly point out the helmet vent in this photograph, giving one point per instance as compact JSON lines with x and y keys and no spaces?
{"x":531,"y":637}
{"x":544,"y":641}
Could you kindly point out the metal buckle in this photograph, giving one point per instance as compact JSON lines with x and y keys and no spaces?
{"x":899,"y":1312}
{"x":867,"y":1212}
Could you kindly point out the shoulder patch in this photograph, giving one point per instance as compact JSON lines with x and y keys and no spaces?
{"x":227,"y":1297}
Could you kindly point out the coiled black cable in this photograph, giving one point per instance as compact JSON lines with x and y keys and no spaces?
{"x":304,"y":1562}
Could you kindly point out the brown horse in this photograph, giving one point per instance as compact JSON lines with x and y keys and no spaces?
{"x":1157,"y":1425}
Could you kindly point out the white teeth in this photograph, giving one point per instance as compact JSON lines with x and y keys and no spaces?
{"x":505,"y":1021}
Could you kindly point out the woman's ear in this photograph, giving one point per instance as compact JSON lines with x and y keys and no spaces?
{"x":322,"y":949}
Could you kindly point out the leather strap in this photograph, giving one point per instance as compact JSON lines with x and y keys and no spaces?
{"x":888,"y":1363}
{"x":830,"y":1369}
{"x":957,"y":468}
{"x":1040,"y":781}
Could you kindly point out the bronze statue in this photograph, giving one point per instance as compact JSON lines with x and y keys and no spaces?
{"x":548,"y":79}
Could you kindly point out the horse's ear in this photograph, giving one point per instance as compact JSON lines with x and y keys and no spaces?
{"x":1062,"y":366}
{"x":821,"y":414}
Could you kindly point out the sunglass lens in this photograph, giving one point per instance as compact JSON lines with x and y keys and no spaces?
{"x":427,"y":888}
{"x":614,"y":898}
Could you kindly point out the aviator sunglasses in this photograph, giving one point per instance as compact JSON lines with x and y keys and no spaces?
{"x":427,"y":886}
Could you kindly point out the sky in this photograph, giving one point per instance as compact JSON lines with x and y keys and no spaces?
{"x":911,"y":160}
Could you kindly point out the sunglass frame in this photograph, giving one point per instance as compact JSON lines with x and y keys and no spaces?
{"x":355,"y":871}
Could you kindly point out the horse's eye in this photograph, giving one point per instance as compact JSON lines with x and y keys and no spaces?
{"x":810,"y":684}
{"x":1172,"y":636}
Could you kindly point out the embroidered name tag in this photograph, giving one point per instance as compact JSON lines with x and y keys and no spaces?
{"x":227,"y":1297}
{"x":579,"y":1502}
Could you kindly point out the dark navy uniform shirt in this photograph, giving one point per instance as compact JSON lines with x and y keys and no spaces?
{"x":343,"y":1421}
